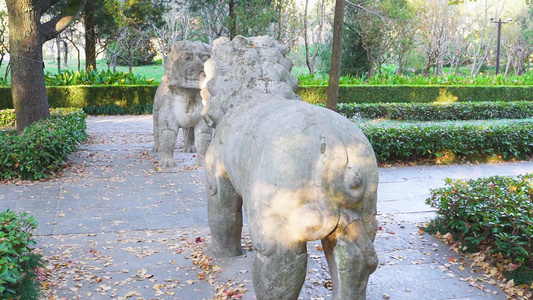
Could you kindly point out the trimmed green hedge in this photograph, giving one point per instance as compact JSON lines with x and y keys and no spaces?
{"x":439,"y":112}
{"x":119,"y":110}
{"x":132,"y":96}
{"x":43,"y":146}
{"x":414,"y":142}
{"x":91,"y":96}
{"x":418,"y":94}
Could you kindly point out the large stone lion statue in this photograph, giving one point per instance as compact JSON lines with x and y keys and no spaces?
{"x":177,"y":102}
{"x":302,"y":173}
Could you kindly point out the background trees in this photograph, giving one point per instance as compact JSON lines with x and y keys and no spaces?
{"x":403,"y":35}
{"x":26,"y":37}
{"x":380,"y":36}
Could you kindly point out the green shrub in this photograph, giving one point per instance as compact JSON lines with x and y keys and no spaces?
{"x":495,"y":211}
{"x":82,"y":96}
{"x":452,"y":79}
{"x":119,"y":110}
{"x":417,"y":93}
{"x":43,"y":146}
{"x":7,"y":118}
{"x":418,"y":141}
{"x":439,"y":112}
{"x":95,"y":77}
{"x":17,"y":263}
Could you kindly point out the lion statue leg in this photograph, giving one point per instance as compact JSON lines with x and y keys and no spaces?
{"x":224,"y":211}
{"x":351,"y":259}
{"x":202,"y":135}
{"x":188,"y":137}
{"x":167,"y":143}
{"x":279,"y":270}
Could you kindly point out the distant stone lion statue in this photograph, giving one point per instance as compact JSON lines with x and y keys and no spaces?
{"x":177,"y":102}
{"x":302,"y":173}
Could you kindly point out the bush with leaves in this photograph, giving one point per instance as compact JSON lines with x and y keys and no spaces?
{"x":438,"y":112}
{"x":495,"y":212}
{"x":95,"y":77}
{"x":7,"y":118}
{"x":388,"y":78}
{"x":42,"y":147}
{"x":17,"y":262}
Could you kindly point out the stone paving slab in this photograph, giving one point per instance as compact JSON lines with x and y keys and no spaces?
{"x":114,"y":225}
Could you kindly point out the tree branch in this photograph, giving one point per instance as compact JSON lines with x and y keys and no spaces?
{"x":58,"y":23}
{"x":45,"y":5}
{"x":362,"y":8}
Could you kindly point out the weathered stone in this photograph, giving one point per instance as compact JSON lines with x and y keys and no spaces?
{"x":302,"y":172}
{"x":177,"y":102}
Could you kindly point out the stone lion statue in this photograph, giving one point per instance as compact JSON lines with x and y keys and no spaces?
{"x":300,"y":171}
{"x":177,"y":102}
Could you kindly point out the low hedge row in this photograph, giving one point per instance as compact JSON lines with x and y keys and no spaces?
{"x":17,"y":262}
{"x":119,"y":110}
{"x":439,"y":112}
{"x":135,"y":95}
{"x":418,"y":94}
{"x":449,"y":142}
{"x":43,"y":146}
{"x":91,"y":96}
{"x":496,"y":212}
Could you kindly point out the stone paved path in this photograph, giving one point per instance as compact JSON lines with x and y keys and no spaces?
{"x":115,"y":226}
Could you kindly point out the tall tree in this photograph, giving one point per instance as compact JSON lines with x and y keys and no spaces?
{"x":26,"y":38}
{"x":354,"y":60}
{"x":244,"y":17}
{"x":313,"y":33}
{"x":90,"y":35}
{"x":437,"y":21}
{"x":336,"y":52}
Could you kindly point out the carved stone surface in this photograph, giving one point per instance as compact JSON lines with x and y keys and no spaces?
{"x":177,"y":102}
{"x":301,"y":172}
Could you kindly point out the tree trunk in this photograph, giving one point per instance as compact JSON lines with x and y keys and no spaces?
{"x":27,"y":75}
{"x":233,"y":19}
{"x":90,"y":36}
{"x":335,"y":69}
{"x":65,"y":49}
{"x":26,"y":38}
{"x":306,"y":40}
{"x":58,"y":44}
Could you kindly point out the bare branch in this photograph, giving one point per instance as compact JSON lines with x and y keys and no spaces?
{"x":364,"y":9}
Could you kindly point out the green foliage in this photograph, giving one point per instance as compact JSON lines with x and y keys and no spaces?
{"x":388,"y":78}
{"x":7,"y":118}
{"x":417,"y":93}
{"x":95,"y":77}
{"x":87,"y":96}
{"x":495,"y":211}
{"x":43,"y":146}
{"x":17,"y":263}
{"x":418,"y":140}
{"x":119,"y":110}
{"x":94,"y":96}
{"x":354,"y":57}
{"x":438,"y":112}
